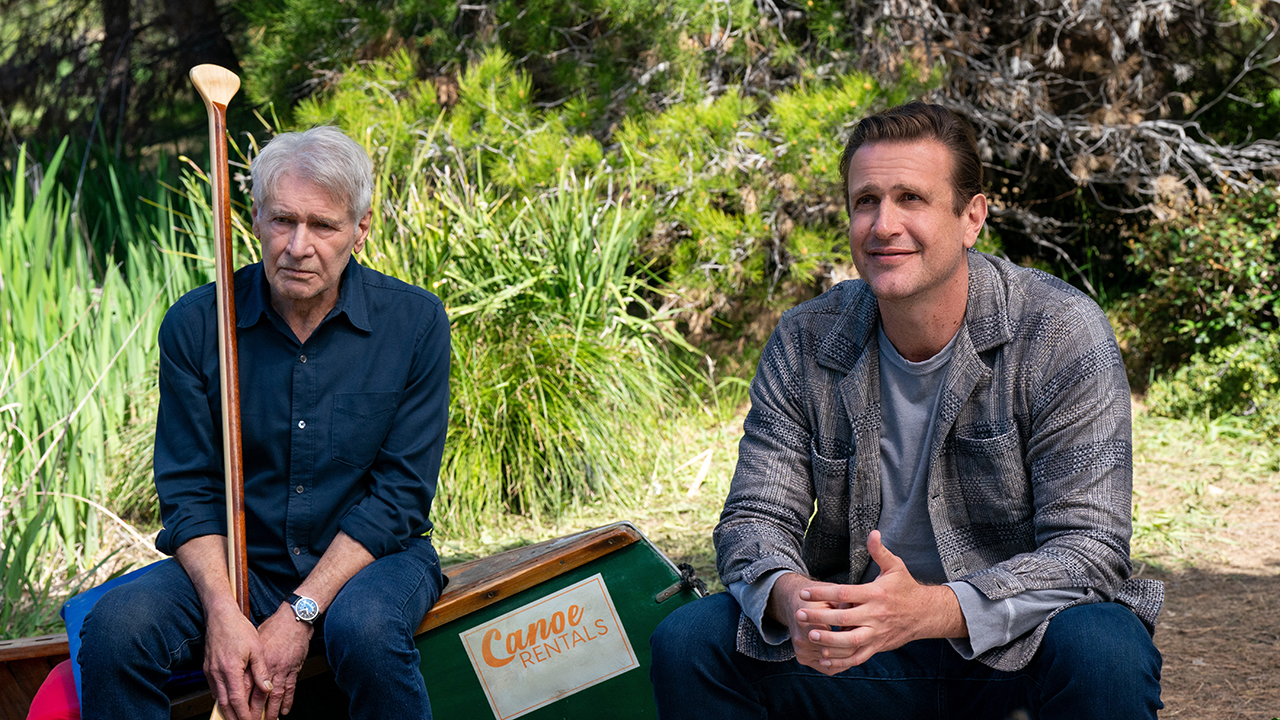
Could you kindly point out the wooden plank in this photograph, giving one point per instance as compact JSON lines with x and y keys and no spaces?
{"x":194,"y":704}
{"x":15,"y":703}
{"x":30,"y":673}
{"x":30,"y":647}
{"x":479,"y":583}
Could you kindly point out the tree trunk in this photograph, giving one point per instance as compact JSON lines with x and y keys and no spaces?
{"x":117,"y":24}
{"x":197,"y":27}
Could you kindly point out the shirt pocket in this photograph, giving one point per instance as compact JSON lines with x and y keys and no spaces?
{"x":993,"y":479}
{"x":361,"y":422}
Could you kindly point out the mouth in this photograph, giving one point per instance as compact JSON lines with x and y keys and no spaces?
{"x":889,"y":252}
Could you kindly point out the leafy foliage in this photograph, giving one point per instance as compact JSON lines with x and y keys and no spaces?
{"x":1239,"y":381}
{"x":557,"y":357}
{"x":747,"y":198}
{"x":1214,"y":277}
{"x":77,"y":334}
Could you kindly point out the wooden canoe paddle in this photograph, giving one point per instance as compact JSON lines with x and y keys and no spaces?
{"x":216,"y":86}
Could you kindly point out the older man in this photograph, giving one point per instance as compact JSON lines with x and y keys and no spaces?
{"x":344,"y":398}
{"x":930,"y":515}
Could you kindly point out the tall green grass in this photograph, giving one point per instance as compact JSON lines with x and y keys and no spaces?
{"x":77,"y":343}
{"x":559,"y":362}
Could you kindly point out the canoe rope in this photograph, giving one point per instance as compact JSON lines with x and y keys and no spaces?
{"x":689,"y":580}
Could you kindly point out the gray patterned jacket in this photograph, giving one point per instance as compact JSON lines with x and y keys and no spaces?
{"x":1031,"y":471}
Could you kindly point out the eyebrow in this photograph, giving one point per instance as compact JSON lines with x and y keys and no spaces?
{"x":280,"y":212}
{"x":874,"y":188}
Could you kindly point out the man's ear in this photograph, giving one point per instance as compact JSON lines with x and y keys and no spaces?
{"x":362,"y":230}
{"x":975,"y":216}
{"x":253,"y":215}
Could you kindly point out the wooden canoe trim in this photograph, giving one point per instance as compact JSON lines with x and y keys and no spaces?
{"x":482,"y":582}
{"x":476,"y":584}
{"x":19,"y":681}
{"x":31,"y":647}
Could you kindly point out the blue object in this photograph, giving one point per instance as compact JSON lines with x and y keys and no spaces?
{"x":75,"y":610}
{"x":155,"y":623}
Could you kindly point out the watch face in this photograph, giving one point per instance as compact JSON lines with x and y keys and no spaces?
{"x":306,"y":609}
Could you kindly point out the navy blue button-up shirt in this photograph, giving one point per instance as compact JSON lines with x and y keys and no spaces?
{"x":342,"y":432}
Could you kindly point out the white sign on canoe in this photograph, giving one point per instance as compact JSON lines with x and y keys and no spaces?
{"x":551,"y":648}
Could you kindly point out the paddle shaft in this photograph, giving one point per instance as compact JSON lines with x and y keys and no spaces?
{"x":216,"y":86}
{"x":228,"y":358}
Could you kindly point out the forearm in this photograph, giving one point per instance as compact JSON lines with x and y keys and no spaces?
{"x":785,"y":589}
{"x":205,"y":561}
{"x":341,"y":561}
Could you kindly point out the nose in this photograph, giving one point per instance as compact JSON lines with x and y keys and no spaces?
{"x":888,"y":221}
{"x":301,"y":242}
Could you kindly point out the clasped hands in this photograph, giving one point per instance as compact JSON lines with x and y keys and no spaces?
{"x":835,"y":627}
{"x":253,"y":672}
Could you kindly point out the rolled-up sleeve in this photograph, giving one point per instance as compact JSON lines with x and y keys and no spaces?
{"x":188,"y":450}
{"x":403,"y":476}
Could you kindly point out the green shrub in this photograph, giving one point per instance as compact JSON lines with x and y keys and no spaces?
{"x":1240,"y":381}
{"x":1214,"y":278}
{"x":558,"y":360}
{"x":746,"y":197}
{"x":77,"y":333}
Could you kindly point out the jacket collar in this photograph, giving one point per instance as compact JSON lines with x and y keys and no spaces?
{"x":986,"y":318}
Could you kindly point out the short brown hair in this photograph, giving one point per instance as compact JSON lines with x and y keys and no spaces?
{"x":919,"y":121}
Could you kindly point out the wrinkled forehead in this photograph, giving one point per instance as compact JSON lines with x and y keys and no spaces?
{"x":297,"y":185}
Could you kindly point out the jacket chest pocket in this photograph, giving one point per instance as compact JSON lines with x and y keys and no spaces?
{"x":993,"y":479}
{"x":831,"y":491}
{"x":360,"y":424}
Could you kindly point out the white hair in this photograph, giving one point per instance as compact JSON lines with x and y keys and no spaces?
{"x":322,"y":155}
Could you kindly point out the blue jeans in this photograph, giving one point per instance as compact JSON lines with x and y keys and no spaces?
{"x":141,"y":633}
{"x":1096,"y":661}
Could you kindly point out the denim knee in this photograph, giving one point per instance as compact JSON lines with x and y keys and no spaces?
{"x":1102,"y":652}
{"x":363,"y":630}
{"x":134,"y":622}
{"x":693,"y":635}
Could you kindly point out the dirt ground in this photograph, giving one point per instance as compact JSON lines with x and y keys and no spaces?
{"x":1219,"y":631}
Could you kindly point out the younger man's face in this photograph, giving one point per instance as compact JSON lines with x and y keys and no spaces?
{"x":907,"y":241}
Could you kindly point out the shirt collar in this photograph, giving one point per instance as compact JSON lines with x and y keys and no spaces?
{"x":351,"y":298}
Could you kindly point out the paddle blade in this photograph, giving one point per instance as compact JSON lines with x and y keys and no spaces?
{"x":215,"y":84}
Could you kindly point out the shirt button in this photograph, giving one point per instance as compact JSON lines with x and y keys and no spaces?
{"x":298,"y":489}
{"x":302,"y":424}
{"x":303,"y":359}
{"x":297,"y":551}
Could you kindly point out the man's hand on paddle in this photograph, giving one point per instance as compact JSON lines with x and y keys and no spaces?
{"x":233,"y":664}
{"x":836,"y":627}
{"x":284,"y":642}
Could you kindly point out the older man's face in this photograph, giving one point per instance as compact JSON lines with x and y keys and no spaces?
{"x":907,"y":241}
{"x":307,"y":238}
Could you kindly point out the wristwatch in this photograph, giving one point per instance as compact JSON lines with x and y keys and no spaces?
{"x":304,"y":609}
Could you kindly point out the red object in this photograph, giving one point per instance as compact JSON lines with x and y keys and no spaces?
{"x":56,"y":699}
